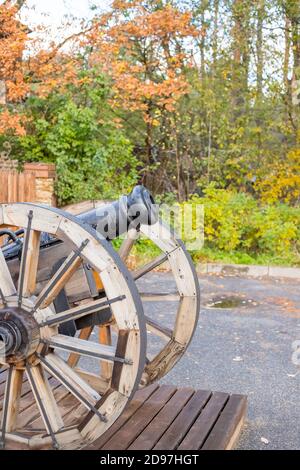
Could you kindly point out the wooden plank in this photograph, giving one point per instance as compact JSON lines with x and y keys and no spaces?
{"x":14,"y":394}
{"x":3,"y":193}
{"x":30,"y":417}
{"x":157,"y":329}
{"x":94,"y":380}
{"x":6,"y":282}
{"x":105,"y":338}
{"x":66,"y":403}
{"x":28,"y":406}
{"x":163,"y":361}
{"x":45,"y":399}
{"x":128,"y":243}
{"x":159,"y":418}
{"x":59,"y":280}
{"x":154,"y":431}
{"x":10,"y":186}
{"x":17,"y":187}
{"x":78,"y":312}
{"x":176,"y":432}
{"x":139,"y":399}
{"x":31,"y":259}
{"x":83,"y":347}
{"x":224,"y":435}
{"x":84,"y":334}
{"x":160,"y":297}
{"x":29,"y":187}
{"x":80,"y":207}
{"x":28,"y":403}
{"x":21,"y":189}
{"x":26,"y":389}
{"x":73,"y":382}
{"x":147,"y":268}
{"x":137,"y":423}
{"x":203,"y":425}
{"x":120,"y":352}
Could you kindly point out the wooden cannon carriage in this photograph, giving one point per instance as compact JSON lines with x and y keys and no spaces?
{"x":71,"y":315}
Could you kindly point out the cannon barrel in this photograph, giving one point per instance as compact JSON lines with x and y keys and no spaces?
{"x":113,"y":220}
{"x":110,"y":220}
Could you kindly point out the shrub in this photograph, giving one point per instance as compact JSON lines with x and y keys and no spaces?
{"x":76,"y":131}
{"x":237,"y":223}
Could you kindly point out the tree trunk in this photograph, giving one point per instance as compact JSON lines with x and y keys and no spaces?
{"x":241,"y":54}
{"x":259,"y":48}
{"x":215,"y":31}
{"x":293,"y":14}
{"x":202,"y":43}
{"x":287,"y":50}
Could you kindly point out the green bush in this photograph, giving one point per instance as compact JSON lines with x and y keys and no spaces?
{"x":77,"y":132}
{"x":239,"y":229}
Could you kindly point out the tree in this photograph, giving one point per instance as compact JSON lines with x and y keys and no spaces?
{"x":292,"y":9}
{"x":241,"y":37}
{"x":206,"y":92}
{"x":260,"y":13}
{"x":13,"y":38}
{"x":38,"y":73}
{"x":75,"y":130}
{"x":140,"y":48}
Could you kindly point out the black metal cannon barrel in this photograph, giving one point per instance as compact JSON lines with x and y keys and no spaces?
{"x":110,"y":220}
{"x":113,"y":220}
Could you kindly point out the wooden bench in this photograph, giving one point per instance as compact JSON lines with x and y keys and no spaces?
{"x":160,"y":417}
{"x":167,"y":418}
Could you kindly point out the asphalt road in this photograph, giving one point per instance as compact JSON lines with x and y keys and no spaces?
{"x":247,"y":350}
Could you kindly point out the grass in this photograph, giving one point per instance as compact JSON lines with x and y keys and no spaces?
{"x":208,"y":255}
{"x":144,"y":251}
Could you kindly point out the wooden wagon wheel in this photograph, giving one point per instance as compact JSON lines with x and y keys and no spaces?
{"x":36,"y":379}
{"x":177,"y":336}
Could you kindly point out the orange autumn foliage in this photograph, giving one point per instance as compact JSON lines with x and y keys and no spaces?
{"x":138,"y":48}
{"x":13,"y":38}
{"x":35,"y":73}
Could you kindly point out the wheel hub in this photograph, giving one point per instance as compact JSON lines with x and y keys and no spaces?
{"x":19,"y":334}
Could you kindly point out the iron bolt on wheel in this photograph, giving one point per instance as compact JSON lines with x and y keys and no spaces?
{"x":44,"y":401}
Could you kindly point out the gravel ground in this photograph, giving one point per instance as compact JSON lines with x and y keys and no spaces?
{"x":247,"y":350}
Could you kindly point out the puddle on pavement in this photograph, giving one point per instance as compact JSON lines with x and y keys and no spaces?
{"x":227,"y":302}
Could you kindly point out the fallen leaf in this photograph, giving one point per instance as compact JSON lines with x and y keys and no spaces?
{"x":293,"y":375}
{"x":264,"y":440}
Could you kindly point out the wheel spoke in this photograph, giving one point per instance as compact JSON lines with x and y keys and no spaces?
{"x":160,"y":296}
{"x":81,"y":311}
{"x":11,"y":401}
{"x":150,"y":266}
{"x":29,"y":261}
{"x":105,"y":338}
{"x":84,"y":348}
{"x":73,"y":382}
{"x":59,"y":280}
{"x":45,"y":401}
{"x":158,"y":330}
{"x":97,"y":383}
{"x":6,"y":283}
{"x":128,"y":243}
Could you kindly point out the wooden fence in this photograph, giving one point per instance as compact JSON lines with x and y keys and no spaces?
{"x":34,"y":184}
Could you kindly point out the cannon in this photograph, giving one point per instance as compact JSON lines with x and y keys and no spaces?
{"x":72,"y":314}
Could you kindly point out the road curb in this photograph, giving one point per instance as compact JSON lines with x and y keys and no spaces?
{"x":248,"y":270}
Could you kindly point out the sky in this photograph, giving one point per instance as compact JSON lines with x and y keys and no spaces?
{"x":51,"y":13}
